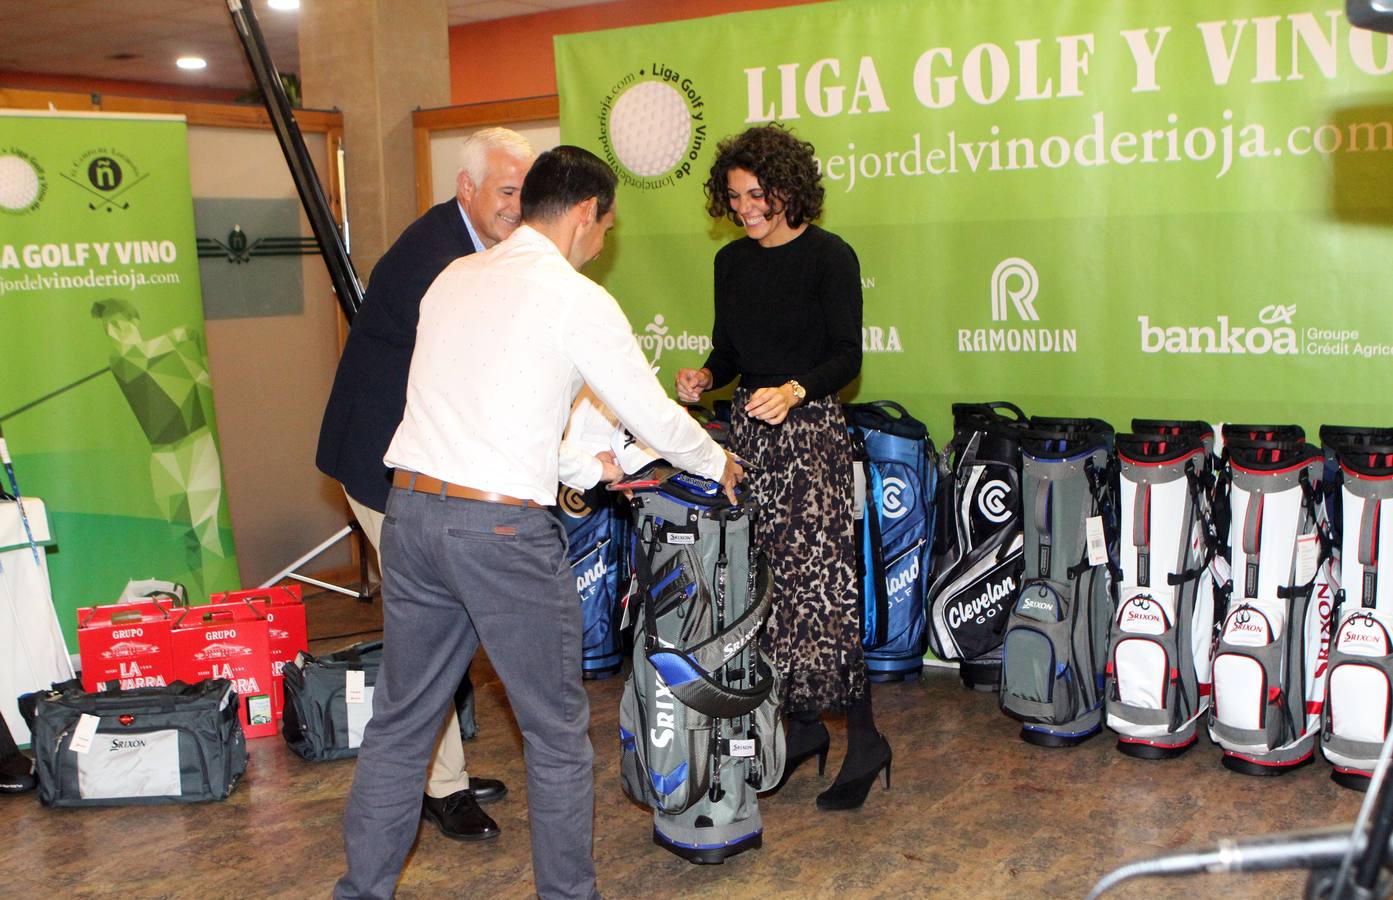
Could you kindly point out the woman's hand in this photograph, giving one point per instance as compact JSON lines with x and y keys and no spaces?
{"x":771,"y":404}
{"x":691,"y":383}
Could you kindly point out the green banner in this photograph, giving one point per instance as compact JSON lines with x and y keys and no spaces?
{"x":105,"y":398}
{"x":1109,"y":208}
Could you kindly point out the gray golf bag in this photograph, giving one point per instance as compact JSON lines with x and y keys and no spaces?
{"x":1269,"y":670}
{"x":1159,"y":668}
{"x":699,"y":719}
{"x":1359,"y":687}
{"x":1055,"y":648}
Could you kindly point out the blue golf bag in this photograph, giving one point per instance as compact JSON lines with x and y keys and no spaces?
{"x":894,"y":535}
{"x":597,"y":531}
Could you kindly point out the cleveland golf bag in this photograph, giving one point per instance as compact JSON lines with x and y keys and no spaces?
{"x":1055,"y":648}
{"x":1269,"y":671}
{"x":894,"y":534}
{"x":699,"y":721}
{"x":596,"y":528}
{"x":1359,"y":688}
{"x":977,"y":543}
{"x":1158,"y":671}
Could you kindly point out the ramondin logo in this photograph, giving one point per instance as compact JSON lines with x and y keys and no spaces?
{"x":1014,"y":286}
{"x":1273,"y":334}
{"x":106,"y":176}
{"x":652,"y":126}
{"x":657,"y":337}
{"x":22,"y":182}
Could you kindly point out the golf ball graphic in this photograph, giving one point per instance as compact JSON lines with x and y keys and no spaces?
{"x":19,"y":183}
{"x":650,"y":128}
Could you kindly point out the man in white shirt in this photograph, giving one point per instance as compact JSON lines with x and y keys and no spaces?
{"x":471,"y":553}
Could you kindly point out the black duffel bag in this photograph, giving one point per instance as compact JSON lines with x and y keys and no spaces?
{"x":177,"y":744}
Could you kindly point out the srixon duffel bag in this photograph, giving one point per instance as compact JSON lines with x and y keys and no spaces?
{"x":328,"y":701}
{"x":181,"y":743}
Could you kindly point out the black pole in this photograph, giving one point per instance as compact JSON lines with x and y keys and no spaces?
{"x":341,"y":273}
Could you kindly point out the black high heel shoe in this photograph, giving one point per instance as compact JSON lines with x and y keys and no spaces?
{"x":851,"y":793}
{"x":819,"y":749}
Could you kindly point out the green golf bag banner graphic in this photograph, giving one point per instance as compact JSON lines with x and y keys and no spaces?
{"x":1108,"y":208}
{"x":105,"y":397}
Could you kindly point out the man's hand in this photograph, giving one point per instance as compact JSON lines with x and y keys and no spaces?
{"x":732,"y":476}
{"x":691,"y":383}
{"x":610,"y":463}
{"x":771,"y":404}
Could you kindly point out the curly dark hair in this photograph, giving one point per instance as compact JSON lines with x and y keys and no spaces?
{"x":782,"y":163}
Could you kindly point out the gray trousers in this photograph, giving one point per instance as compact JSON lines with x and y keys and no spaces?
{"x":458,"y":573}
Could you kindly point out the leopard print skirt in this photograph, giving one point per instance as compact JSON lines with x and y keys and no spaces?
{"x":803,"y":485}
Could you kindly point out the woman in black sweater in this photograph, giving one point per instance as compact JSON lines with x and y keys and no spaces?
{"x":788,"y":324}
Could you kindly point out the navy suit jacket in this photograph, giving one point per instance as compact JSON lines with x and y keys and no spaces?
{"x":369,"y":394}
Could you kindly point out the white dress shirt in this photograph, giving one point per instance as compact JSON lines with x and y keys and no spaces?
{"x":505,"y":340}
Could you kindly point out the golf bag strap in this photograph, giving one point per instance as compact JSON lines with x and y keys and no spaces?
{"x":1043,"y":492}
{"x":1208,"y":536}
{"x":1368,"y":551}
{"x":882,"y":599}
{"x":1252,"y":545}
{"x":1141,"y":533}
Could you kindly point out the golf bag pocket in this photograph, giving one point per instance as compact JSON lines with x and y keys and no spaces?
{"x":177,"y":744}
{"x":1359,"y":698}
{"x":1037,"y":682}
{"x":1142,"y":672}
{"x":663,"y":762}
{"x":1249,"y":708}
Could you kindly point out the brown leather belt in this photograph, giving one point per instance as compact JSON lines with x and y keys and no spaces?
{"x":428,"y":485}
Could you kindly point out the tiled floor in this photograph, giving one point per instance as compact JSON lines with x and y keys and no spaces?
{"x":973,"y":812}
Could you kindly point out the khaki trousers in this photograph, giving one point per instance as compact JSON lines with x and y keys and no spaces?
{"x":446,"y":774}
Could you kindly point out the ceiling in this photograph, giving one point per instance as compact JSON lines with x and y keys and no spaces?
{"x":139,"y":40}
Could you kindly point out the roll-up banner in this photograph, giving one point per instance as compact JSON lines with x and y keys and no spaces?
{"x":1106,"y":208}
{"x":105,"y":397}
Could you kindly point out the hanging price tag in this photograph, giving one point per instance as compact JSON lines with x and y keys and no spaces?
{"x":84,"y":732}
{"x":355,"y":686}
{"x":1307,"y":557}
{"x":1097,"y":541}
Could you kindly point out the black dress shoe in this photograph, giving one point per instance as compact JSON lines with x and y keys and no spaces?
{"x":797,"y":756}
{"x":458,"y":816}
{"x":487,"y":790}
{"x":17,"y":774}
{"x":849,"y":790}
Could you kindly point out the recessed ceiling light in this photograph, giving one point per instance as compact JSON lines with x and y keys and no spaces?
{"x":191,"y":62}
{"x":283,"y":5}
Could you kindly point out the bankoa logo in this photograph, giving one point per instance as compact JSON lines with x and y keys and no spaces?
{"x":1014,"y":286}
{"x":1273,"y":334}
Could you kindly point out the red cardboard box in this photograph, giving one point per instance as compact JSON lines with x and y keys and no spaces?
{"x":125,"y":642}
{"x":232,"y":641}
{"x":284,"y":608}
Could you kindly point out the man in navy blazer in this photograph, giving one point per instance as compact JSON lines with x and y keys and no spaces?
{"x":369,"y":394}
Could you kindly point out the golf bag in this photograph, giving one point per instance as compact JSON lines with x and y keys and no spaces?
{"x":1159,"y":668}
{"x":1359,"y":689}
{"x":894,"y":534}
{"x":1269,"y":671}
{"x":977,"y":544}
{"x":699,"y":725}
{"x":596,"y":532}
{"x":1055,"y":648}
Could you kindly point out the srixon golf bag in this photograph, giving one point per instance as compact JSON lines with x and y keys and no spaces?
{"x":699,"y":721}
{"x":596,"y":530}
{"x":898,"y":474}
{"x":1159,"y":667}
{"x":1269,"y":666}
{"x":1055,"y":648}
{"x":1359,"y":689}
{"x":977,"y":543}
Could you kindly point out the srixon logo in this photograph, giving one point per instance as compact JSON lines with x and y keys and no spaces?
{"x":1143,"y":615}
{"x":665,"y":722}
{"x":118,"y":744}
{"x":982,"y":607}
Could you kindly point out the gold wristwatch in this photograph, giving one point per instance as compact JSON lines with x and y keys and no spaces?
{"x":800,"y":393}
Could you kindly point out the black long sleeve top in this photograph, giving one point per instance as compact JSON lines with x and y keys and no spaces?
{"x":787,"y":312}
